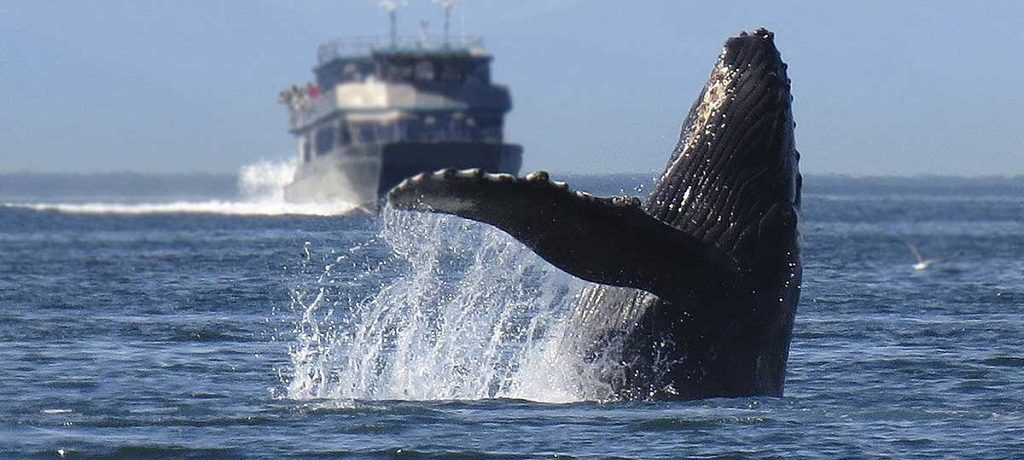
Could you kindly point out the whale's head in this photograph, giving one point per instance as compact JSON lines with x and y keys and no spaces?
{"x":735,"y":162}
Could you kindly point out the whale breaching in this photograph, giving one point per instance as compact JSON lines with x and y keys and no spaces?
{"x":699,"y":283}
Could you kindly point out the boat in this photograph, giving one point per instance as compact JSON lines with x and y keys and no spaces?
{"x":382,"y":110}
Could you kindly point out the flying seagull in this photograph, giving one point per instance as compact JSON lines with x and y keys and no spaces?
{"x":922,"y":263}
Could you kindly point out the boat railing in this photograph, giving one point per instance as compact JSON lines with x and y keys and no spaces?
{"x":305,"y":109}
{"x":361,"y":46}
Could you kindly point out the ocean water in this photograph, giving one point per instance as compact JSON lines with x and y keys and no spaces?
{"x":175,"y":317}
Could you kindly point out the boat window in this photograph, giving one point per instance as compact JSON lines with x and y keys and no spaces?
{"x":344,"y":137}
{"x":351,"y":72}
{"x":425,"y":70}
{"x":388,"y":132}
{"x":488,"y":128}
{"x":433,"y":127}
{"x":324,"y":140}
{"x":412,"y":130}
{"x":376,"y":132}
{"x":479,"y":73}
{"x":399,"y":71}
{"x":452,"y":71}
{"x":304,"y":150}
{"x":364,"y":133}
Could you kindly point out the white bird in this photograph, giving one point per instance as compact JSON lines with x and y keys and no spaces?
{"x":922,"y":263}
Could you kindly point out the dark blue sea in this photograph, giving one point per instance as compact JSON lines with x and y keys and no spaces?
{"x":146,"y":317}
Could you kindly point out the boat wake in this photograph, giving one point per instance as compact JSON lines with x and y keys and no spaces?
{"x":260,"y":193}
{"x":458,"y":311}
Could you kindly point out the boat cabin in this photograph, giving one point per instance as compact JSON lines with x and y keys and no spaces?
{"x":367,"y":94}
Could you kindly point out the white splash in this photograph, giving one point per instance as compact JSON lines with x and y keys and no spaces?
{"x":262,"y":194}
{"x":460,"y":311}
{"x":266,"y":179}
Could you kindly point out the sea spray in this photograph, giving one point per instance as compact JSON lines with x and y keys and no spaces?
{"x":265,"y":180}
{"x":456,"y":310}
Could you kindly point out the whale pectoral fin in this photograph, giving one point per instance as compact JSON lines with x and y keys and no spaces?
{"x":603,"y":240}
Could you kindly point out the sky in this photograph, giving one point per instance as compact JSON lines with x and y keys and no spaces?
{"x":880,"y":87}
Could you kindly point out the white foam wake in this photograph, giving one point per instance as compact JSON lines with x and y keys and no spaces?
{"x":459,"y":311}
{"x":237,"y":208}
{"x":261,"y":188}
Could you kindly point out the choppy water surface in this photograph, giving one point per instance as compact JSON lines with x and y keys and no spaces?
{"x":135,"y":330}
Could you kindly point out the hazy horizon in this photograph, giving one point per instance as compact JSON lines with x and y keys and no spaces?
{"x":227,"y":175}
{"x":880,"y":89}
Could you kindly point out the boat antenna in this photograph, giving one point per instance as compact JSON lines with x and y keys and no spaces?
{"x":447,"y":6}
{"x":391,"y":6}
{"x":424,"y":34}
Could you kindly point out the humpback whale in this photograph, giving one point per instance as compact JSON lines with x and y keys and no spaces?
{"x":697,"y":286}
